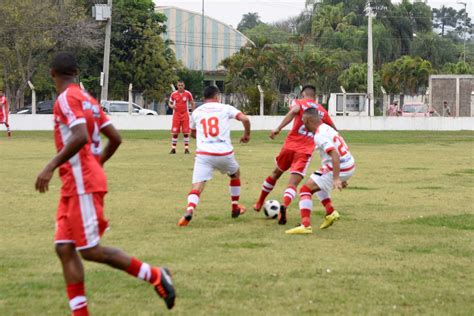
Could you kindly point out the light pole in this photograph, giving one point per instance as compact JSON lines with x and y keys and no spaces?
{"x":202,"y":39}
{"x":370,"y":63}
{"x":464,"y":28}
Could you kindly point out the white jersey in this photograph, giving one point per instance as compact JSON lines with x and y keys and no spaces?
{"x":212,"y":124}
{"x":327,"y":139}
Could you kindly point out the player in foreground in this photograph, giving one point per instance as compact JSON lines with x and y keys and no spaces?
{"x":179,"y":103}
{"x":80,"y":220}
{"x":296,"y":152}
{"x":338,"y":166}
{"x":210,"y":125}
{"x":4,"y":112}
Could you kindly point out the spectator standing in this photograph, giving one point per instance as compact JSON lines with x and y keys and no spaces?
{"x":446,"y":109}
{"x":4,"y":112}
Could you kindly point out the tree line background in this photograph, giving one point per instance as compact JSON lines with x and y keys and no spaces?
{"x":325,"y":45}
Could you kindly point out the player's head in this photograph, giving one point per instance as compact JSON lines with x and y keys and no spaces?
{"x":211,"y":93}
{"x":181,"y":86}
{"x":308,"y":91}
{"x":311,"y":119}
{"x":64,"y":67}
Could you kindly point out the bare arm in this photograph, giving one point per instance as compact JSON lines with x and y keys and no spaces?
{"x":336,"y":167}
{"x":79,"y":138}
{"x":246,"y":123}
{"x":286,"y":120}
{"x":193,"y":105}
{"x":193,"y":133}
{"x":114,"y":141}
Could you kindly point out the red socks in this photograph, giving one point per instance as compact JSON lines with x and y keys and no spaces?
{"x":306,"y":205}
{"x":289,"y":195}
{"x":328,"y":206}
{"x":234,"y":189}
{"x":174,"y":141}
{"x":77,"y":299}
{"x":267,"y":187}
{"x":193,"y":200}
{"x":142,"y":271}
{"x":186,"y":141}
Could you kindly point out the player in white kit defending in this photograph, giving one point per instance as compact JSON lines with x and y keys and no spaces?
{"x":210,"y":125}
{"x":338,"y":166}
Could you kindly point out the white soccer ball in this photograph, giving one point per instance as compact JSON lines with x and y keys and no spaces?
{"x":271,"y":208}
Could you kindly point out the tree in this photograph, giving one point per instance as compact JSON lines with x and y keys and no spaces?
{"x":459,"y":68}
{"x":354,"y":79}
{"x":444,"y":17}
{"x":194,"y":81}
{"x":267,"y":34}
{"x":139,"y":55}
{"x":29,"y":41}
{"x":406,"y":75}
{"x":249,"y":21}
{"x":434,"y":48}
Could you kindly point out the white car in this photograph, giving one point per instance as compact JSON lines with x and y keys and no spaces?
{"x":121,"y":108}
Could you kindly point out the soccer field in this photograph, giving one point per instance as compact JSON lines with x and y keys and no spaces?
{"x":404,"y":244}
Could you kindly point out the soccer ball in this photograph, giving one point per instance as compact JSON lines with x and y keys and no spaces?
{"x":271,"y":209}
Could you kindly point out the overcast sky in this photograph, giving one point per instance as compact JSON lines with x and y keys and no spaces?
{"x":231,"y":11}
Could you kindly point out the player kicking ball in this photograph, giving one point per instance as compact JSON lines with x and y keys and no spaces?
{"x":296,"y":152}
{"x":80,"y":221}
{"x":210,"y":125}
{"x":338,"y":166}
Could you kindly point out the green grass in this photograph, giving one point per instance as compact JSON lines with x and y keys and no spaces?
{"x":404,"y":244}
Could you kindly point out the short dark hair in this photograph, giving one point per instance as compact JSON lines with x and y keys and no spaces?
{"x":311,"y":112}
{"x":309,"y":87}
{"x":211,"y":92}
{"x":65,"y":64}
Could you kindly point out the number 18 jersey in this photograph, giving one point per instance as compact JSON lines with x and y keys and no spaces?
{"x":212,"y":124}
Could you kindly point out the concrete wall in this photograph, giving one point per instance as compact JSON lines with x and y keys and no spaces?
{"x":162,"y":122}
{"x":456,"y":89}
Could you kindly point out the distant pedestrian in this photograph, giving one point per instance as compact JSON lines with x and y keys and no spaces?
{"x":393,"y":109}
{"x":446,"y":109}
{"x":4,"y":112}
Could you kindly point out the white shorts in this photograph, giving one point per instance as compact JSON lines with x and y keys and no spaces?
{"x":324,"y":178}
{"x":204,"y":166}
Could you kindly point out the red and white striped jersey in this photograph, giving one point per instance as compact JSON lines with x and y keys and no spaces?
{"x":3,"y":109}
{"x":212,"y":124}
{"x":82,"y":173}
{"x":327,"y":139}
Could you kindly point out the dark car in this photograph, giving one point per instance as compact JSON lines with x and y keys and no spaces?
{"x":42,"y":107}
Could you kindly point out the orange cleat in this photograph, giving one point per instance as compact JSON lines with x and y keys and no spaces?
{"x":164,"y":287}
{"x":184,"y":221}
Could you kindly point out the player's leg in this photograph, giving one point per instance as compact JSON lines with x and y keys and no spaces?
{"x":306,"y":206}
{"x":174,"y":134}
{"x":73,"y":270}
{"x":298,"y":169}
{"x":230,"y":166}
{"x":9,"y":132}
{"x":160,"y":278}
{"x":186,"y":131}
{"x":283,"y":163}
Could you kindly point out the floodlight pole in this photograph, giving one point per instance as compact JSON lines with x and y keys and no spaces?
{"x":108,"y":33}
{"x":33,"y":97}
{"x":130,"y":97}
{"x":370,"y":64}
{"x":262,"y":100}
{"x":344,"y":100}
{"x":202,"y":39}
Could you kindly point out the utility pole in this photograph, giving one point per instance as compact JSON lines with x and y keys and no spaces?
{"x":108,"y":31}
{"x":370,"y":64}
{"x":464,"y":28}
{"x":202,"y":39}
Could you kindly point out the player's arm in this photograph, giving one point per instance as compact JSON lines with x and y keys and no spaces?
{"x":193,"y":133}
{"x":336,"y":167}
{"x":192,"y":125}
{"x":193,"y":104}
{"x":114,"y":141}
{"x":328,"y":121}
{"x":79,"y":138}
{"x":286,"y":120}
{"x":246,"y":123}
{"x":171,"y":102}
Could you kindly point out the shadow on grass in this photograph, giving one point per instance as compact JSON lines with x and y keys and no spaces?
{"x":462,"y":221}
{"x":462,"y":172}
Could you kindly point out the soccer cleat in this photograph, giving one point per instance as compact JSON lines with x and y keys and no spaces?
{"x":186,"y":151}
{"x":184,"y":221}
{"x":172,"y":151}
{"x":257,"y":207}
{"x":282,"y":215}
{"x":164,"y":287}
{"x":299,"y":230}
{"x":330,"y":219}
{"x":241,"y":210}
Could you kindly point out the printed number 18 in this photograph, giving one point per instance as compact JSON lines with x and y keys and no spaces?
{"x":210,"y":126}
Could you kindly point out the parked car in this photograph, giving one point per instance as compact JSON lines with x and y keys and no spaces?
{"x":415,"y":109}
{"x":42,"y":107}
{"x":121,"y":108}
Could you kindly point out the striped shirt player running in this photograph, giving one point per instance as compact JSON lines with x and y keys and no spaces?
{"x":296,"y":153}
{"x":210,"y":125}
{"x":338,"y":166}
{"x":4,"y":112}
{"x":80,"y":221}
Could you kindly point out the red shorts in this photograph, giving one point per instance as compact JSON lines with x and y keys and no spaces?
{"x":80,"y":220}
{"x":294,"y":161}
{"x":180,"y":124}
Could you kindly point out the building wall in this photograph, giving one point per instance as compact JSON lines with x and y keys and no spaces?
{"x":184,"y":30}
{"x":443,"y":87}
